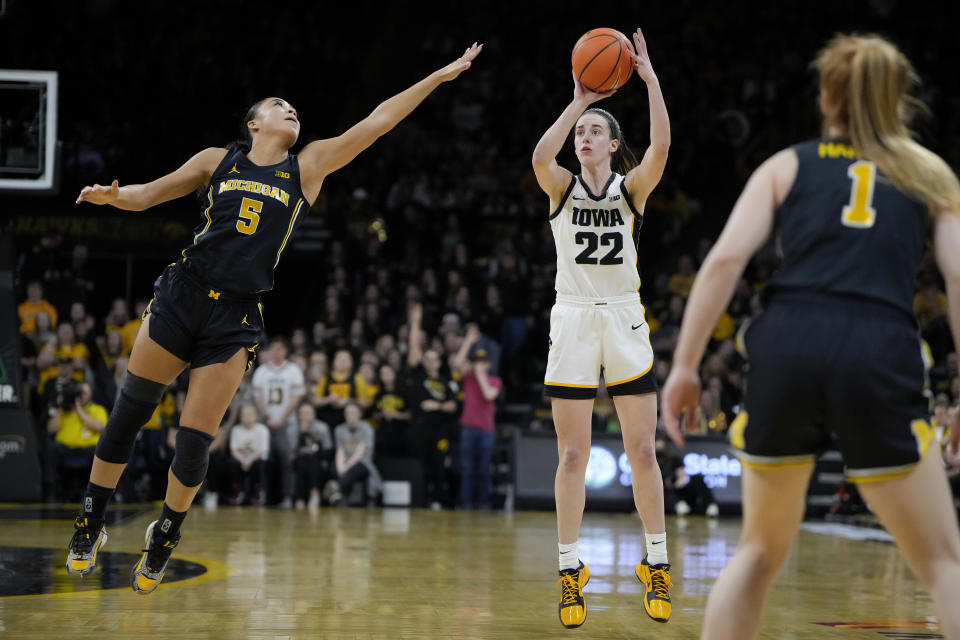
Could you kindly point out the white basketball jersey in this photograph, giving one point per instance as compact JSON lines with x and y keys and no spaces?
{"x":597,"y":239}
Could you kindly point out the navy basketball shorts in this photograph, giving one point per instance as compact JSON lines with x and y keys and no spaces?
{"x":201,"y":324}
{"x":827,"y":372}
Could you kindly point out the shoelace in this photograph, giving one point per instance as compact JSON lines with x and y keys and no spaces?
{"x":661,"y":580}
{"x":159,"y":552}
{"x":82,"y":541}
{"x":569,"y":584}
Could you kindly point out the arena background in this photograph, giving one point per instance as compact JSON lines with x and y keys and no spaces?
{"x":144,"y":87}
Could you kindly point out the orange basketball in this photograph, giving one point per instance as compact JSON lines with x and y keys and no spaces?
{"x":601,"y":59}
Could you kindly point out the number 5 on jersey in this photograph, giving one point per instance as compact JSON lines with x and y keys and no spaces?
{"x":860,"y":213}
{"x":249,"y":216}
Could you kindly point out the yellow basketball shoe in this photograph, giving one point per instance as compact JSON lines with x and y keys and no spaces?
{"x":656,"y":581}
{"x":148,"y":572}
{"x":85,"y":545}
{"x":573,"y":608}
{"x":584,"y":574}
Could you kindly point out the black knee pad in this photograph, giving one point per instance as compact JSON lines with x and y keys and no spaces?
{"x":118,"y":437}
{"x":191,"y":456}
{"x":135,"y":404}
{"x":143,"y":390}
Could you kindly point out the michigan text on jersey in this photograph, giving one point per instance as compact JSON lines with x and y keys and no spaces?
{"x":255,"y":187}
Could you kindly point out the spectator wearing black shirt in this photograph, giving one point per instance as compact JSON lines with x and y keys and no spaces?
{"x":392,"y":413}
{"x":433,"y":401}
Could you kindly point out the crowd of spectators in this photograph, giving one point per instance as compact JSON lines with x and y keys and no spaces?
{"x":323,"y":407}
{"x":310,"y":421}
{"x":438,"y":234}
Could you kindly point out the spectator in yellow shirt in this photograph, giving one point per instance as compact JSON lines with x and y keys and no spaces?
{"x":128,"y":332}
{"x":366,"y":385}
{"x":724,"y":328}
{"x":333,"y":391}
{"x":34,"y":304}
{"x":75,"y":427}
{"x":930,"y":304}
{"x":681,"y":281}
{"x":64,"y":347}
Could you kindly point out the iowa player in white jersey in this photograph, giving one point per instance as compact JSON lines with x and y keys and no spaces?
{"x":597,"y":326}
{"x":836,"y":348}
{"x":206,"y":312}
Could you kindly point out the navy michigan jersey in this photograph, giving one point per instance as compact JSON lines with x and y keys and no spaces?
{"x":250,"y":212}
{"x":846,"y":230}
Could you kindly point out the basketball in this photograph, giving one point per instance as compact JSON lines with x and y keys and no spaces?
{"x":601,"y":59}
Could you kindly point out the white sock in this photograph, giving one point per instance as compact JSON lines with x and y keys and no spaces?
{"x":569,"y":556}
{"x":656,"y":548}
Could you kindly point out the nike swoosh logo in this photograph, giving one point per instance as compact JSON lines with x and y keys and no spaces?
{"x":636,"y":326}
{"x":576,"y":198}
{"x":661,"y":542}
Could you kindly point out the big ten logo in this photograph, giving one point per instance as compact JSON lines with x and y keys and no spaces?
{"x":12,"y":444}
{"x":281,"y":174}
{"x":715,"y":471}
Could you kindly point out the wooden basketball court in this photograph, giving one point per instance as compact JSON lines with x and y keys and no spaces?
{"x":391,"y":573}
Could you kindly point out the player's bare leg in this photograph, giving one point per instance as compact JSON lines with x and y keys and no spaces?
{"x":774,"y":501}
{"x":211,"y":389}
{"x":151,"y":369}
{"x":572,"y":420}
{"x":638,"y":423}
{"x":917,"y":510}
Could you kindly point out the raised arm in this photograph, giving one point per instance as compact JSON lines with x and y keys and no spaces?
{"x":195,"y":173}
{"x":749,"y":226}
{"x":321,"y":158}
{"x":460,"y":362}
{"x":482,"y":371}
{"x":644,"y":177}
{"x":551,"y":177}
{"x":414,"y":348}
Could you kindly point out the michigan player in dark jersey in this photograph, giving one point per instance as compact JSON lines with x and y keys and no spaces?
{"x":206,"y":312}
{"x":836,"y":348}
{"x":598,"y":326}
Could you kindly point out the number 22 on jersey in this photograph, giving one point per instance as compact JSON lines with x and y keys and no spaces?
{"x":249,"y":215}
{"x":860,"y":213}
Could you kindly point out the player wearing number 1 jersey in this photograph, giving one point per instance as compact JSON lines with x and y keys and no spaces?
{"x":597,"y":326}
{"x":836,"y":349}
{"x":206,"y":311}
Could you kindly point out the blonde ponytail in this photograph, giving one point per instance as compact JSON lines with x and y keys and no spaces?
{"x":868,"y":82}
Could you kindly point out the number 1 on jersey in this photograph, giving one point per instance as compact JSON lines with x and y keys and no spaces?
{"x":860,"y":212}
{"x":249,"y":216}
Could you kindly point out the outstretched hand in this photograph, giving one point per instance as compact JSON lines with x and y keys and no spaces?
{"x":641,"y":59}
{"x":461,"y":64}
{"x":681,"y":396}
{"x":98,"y":194}
{"x":580,"y":92}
